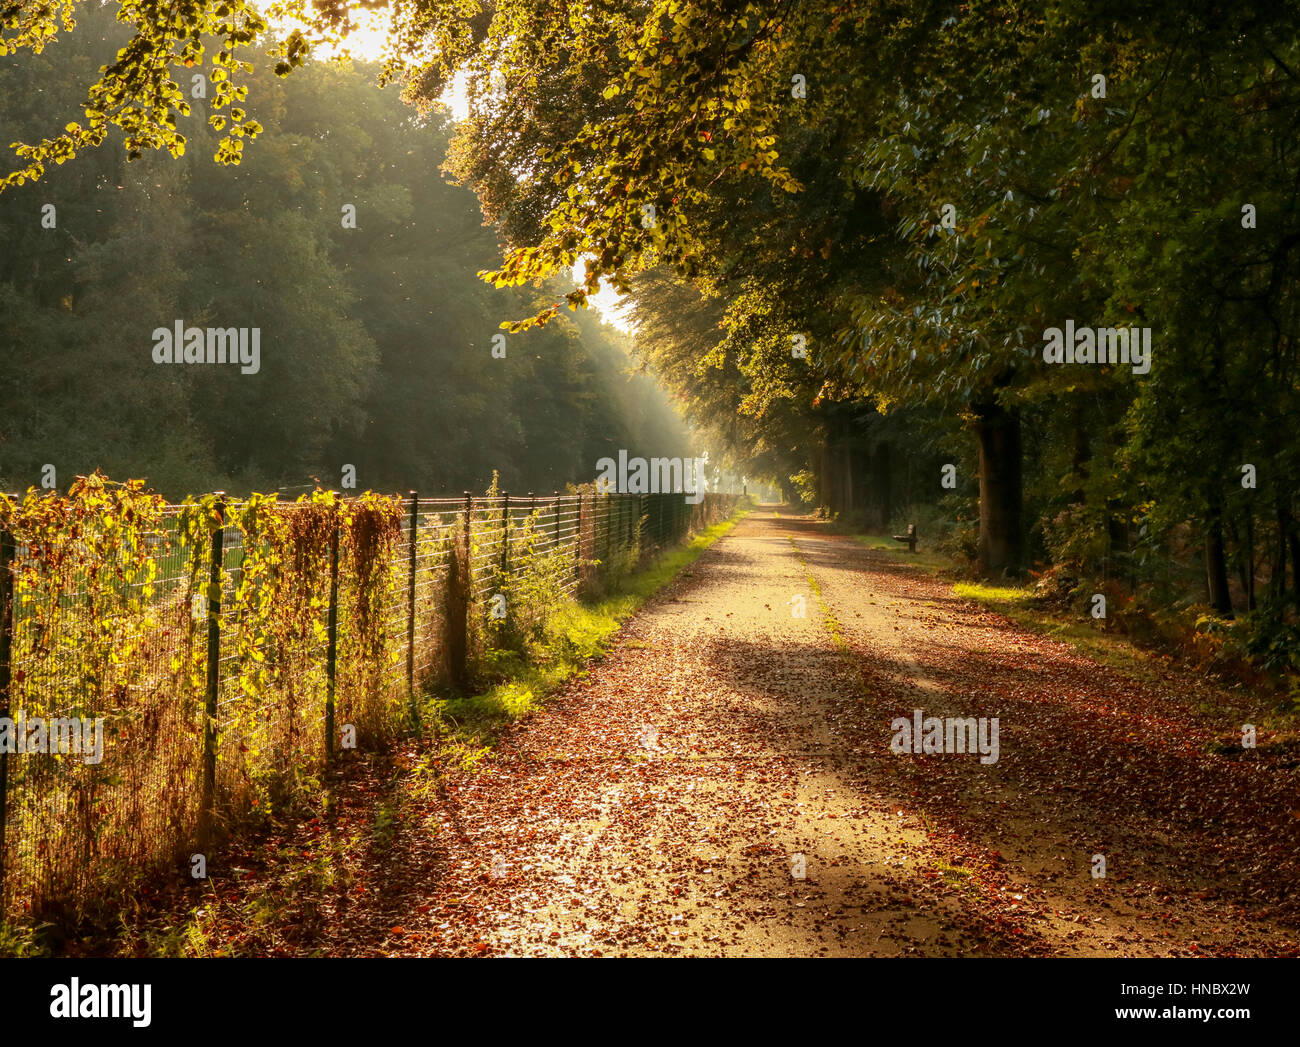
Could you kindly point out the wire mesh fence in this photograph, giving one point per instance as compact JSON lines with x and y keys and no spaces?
{"x":166,"y":670}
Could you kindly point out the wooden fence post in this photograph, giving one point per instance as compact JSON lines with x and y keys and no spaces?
{"x":609,"y":534}
{"x":332,"y":652}
{"x":410,"y":608}
{"x":216,"y":558}
{"x":622,"y":529}
{"x":7,"y":556}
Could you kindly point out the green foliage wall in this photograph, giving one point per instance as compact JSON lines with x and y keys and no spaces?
{"x":376,"y":341}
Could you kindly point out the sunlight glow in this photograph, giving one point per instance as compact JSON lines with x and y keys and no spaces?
{"x":368,"y":42}
{"x":611,"y":305}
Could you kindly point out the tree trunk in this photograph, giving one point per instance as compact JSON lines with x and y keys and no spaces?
{"x":881,"y":481}
{"x":1250,"y":561}
{"x":860,"y":492}
{"x":1001,"y":540}
{"x":846,"y":472}
{"x":1277,"y":576}
{"x":1293,"y":542}
{"x":823,"y":478}
{"x":1216,"y":565}
{"x":835,"y":475}
{"x":1082,"y":449}
{"x":1119,"y":542}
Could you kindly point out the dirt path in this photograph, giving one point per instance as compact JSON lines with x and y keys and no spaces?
{"x":659,"y":805}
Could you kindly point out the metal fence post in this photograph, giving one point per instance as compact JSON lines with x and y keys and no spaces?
{"x":215,"y":560}
{"x":460,"y":596}
{"x":410,"y":608}
{"x":532,"y":512}
{"x":505,"y":533}
{"x":556,"y":496}
{"x":577,"y":540}
{"x":7,"y":556}
{"x":618,"y":526}
{"x":332,"y":652}
{"x":469,"y":533}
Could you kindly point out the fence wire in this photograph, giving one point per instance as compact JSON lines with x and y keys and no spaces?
{"x":157,"y":683}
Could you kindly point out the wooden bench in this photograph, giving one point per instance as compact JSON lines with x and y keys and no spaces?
{"x":909,"y":538}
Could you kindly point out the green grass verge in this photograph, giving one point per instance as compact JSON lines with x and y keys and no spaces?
{"x":1224,"y":699}
{"x":928,"y":558}
{"x":1110,"y":649}
{"x":1017,"y":603}
{"x":576,"y":634}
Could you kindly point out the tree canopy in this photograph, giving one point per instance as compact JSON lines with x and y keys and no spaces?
{"x":919,"y":190}
{"x":339,"y":240}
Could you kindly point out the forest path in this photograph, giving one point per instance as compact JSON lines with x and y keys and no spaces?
{"x":656,"y":806}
